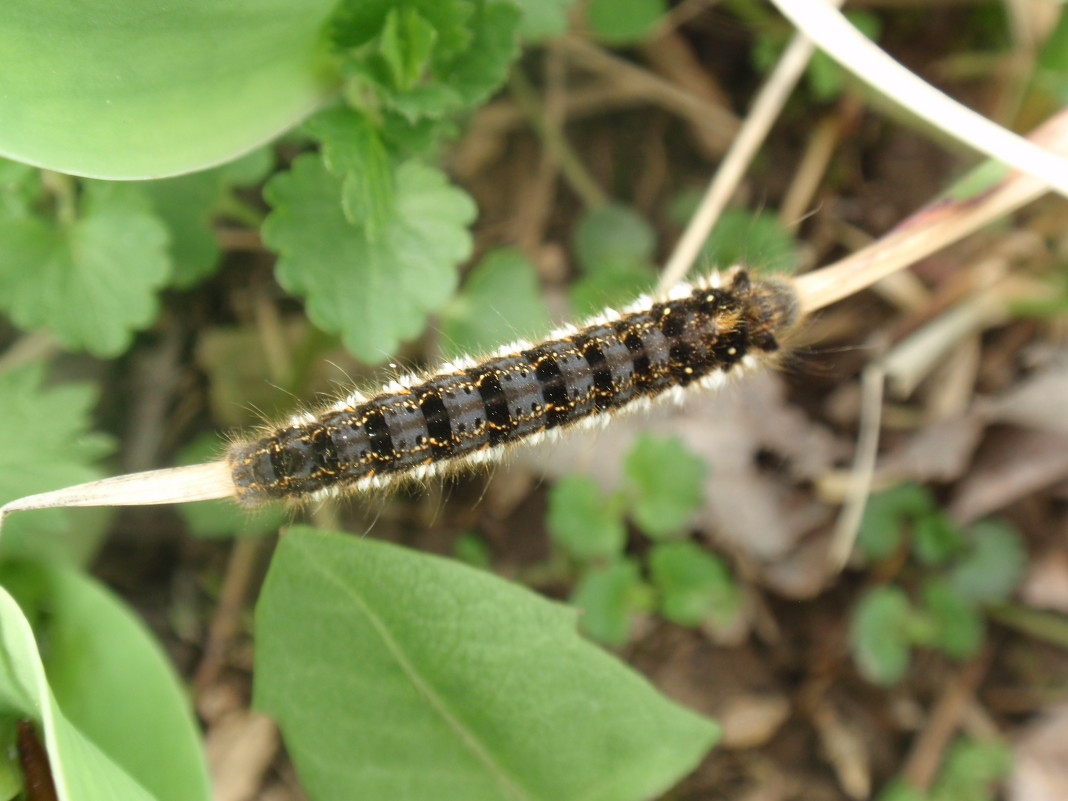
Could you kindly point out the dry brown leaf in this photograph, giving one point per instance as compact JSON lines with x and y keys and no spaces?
{"x":1040,"y":402}
{"x":1011,"y":464}
{"x":940,"y":451}
{"x":1046,"y":584}
{"x":1040,"y":767}
{"x":240,"y":749}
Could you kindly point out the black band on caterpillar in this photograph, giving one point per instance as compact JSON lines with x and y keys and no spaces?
{"x":470,"y":411}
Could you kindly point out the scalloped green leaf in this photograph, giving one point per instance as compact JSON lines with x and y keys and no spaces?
{"x":694,"y":584}
{"x":47,"y":444}
{"x":378,"y":293}
{"x":122,"y":89}
{"x":584,"y":520}
{"x":879,"y":634}
{"x":499,"y":302}
{"x":668,"y":484}
{"x":99,"y":660}
{"x":399,"y":675}
{"x":90,"y":280}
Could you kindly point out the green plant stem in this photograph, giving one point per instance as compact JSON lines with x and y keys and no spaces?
{"x":1047,"y":626}
{"x":62,"y":188}
{"x":230,"y":205}
{"x":572,"y":168}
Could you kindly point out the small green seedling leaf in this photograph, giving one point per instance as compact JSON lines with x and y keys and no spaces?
{"x":614,"y":247}
{"x":584,"y":521}
{"x":395,"y":674}
{"x":471,"y":549}
{"x":224,"y":518}
{"x":971,"y":770}
{"x":994,"y":566}
{"x":47,"y":444}
{"x":879,"y":634}
{"x":407,"y":41}
{"x":608,"y":596}
{"x":374,"y":294}
{"x":499,"y":303}
{"x":900,"y":790}
{"x":543,"y":19}
{"x":936,"y":539}
{"x":959,"y":626}
{"x":91,"y":281}
{"x":693,"y":584}
{"x":99,"y":660}
{"x":667,"y":482}
{"x":881,"y":529}
{"x":620,"y":21}
{"x":757,"y":240}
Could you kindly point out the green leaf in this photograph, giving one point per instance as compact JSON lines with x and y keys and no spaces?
{"x":543,"y":19}
{"x":668,"y":485}
{"x":879,"y":634}
{"x":756,"y":240}
{"x":188,"y":204}
{"x":959,"y":627}
{"x":47,"y":444}
{"x":614,"y":247}
{"x":621,"y":21}
{"x":694,"y":584}
{"x":881,"y":531}
{"x":471,"y":549}
{"x":225,"y":518}
{"x":91,"y":281}
{"x":826,"y":79}
{"x":610,"y":236}
{"x":399,"y":675}
{"x":353,"y":151}
{"x":99,"y":660}
{"x":583,"y":520}
{"x":407,"y":42}
{"x":608,"y":596}
{"x":972,"y":769}
{"x":936,"y":538}
{"x":500,"y":302}
{"x":121,"y":89}
{"x":20,"y":185}
{"x":900,"y":790}
{"x":374,"y":294}
{"x":994,"y":566}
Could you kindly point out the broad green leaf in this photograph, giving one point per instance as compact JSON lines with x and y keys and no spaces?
{"x":994,"y":565}
{"x":499,"y":302}
{"x":667,"y":483}
{"x":694,"y":585}
{"x":755,"y":239}
{"x":608,"y":596}
{"x":403,"y":676}
{"x":374,"y":294}
{"x":959,"y":627}
{"x":612,"y":287}
{"x":107,"y":705}
{"x":353,"y":151}
{"x":543,"y":19}
{"x":47,"y":444}
{"x":225,"y":518}
{"x":121,"y":89}
{"x":91,"y":281}
{"x":583,"y":520}
{"x":20,"y":184}
{"x":882,"y":527}
{"x":112,"y":681}
{"x":879,"y":634}
{"x":624,"y":20}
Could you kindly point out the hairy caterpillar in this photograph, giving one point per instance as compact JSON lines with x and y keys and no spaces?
{"x":471,"y":410}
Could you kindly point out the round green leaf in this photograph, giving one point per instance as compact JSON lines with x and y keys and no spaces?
{"x":879,"y":634}
{"x":124,"y":89}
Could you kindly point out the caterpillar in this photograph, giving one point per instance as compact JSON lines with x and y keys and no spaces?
{"x":471,"y":410}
